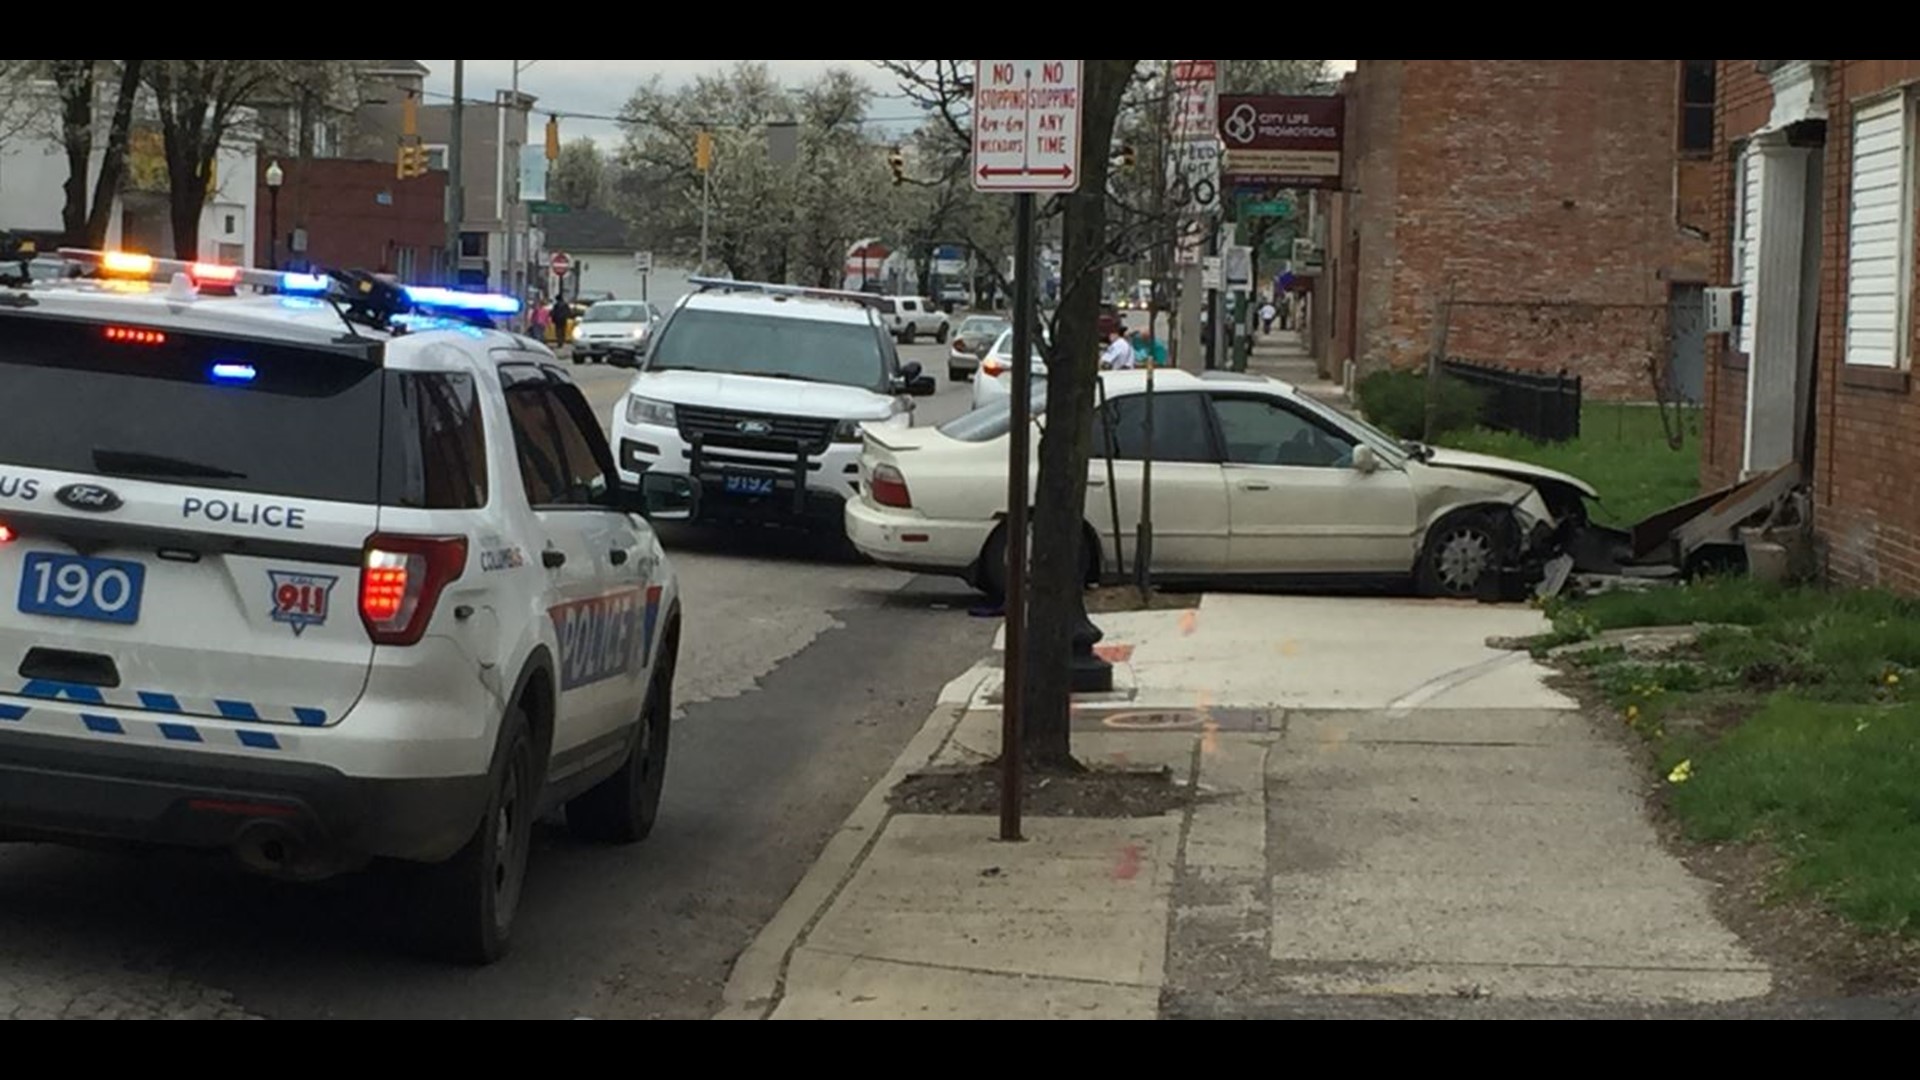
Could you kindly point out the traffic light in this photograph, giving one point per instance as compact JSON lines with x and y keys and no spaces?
{"x":413,"y":161}
{"x":1128,"y":156}
{"x":703,"y":152}
{"x":553,"y":138}
{"x":898,"y":163}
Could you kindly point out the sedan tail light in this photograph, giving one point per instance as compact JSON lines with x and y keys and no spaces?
{"x":993,"y":369}
{"x":890,"y":488}
{"x":401,"y":579}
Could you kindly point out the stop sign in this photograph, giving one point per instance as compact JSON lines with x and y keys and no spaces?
{"x":561,"y":264}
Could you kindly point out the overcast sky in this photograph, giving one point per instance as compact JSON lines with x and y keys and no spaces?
{"x":601,"y":87}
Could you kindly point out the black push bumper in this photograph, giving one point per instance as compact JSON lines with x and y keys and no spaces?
{"x":286,"y":818}
{"x":788,"y":497}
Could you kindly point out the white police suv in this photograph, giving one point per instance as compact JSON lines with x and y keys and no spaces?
{"x":318,"y":575}
{"x":754,"y":396}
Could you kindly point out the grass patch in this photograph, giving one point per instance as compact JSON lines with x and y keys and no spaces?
{"x":1792,"y":720}
{"x":1622,"y":451}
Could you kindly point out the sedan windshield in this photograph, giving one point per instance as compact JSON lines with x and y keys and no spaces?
{"x":739,"y":343}
{"x":605,"y":312}
{"x":979,"y":327}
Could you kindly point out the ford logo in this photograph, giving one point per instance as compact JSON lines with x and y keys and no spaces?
{"x":88,"y":497}
{"x":754,"y":427}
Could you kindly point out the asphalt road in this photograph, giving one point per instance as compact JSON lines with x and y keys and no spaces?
{"x":801,"y":679}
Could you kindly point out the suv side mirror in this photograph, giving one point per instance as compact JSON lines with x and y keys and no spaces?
{"x":916,"y":384}
{"x":660,"y":497}
{"x":1364,"y":459}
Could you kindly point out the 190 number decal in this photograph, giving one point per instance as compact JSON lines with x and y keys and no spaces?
{"x":100,"y":590}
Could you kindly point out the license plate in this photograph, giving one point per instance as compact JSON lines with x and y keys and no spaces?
{"x":741,"y":484}
{"x":72,"y":587}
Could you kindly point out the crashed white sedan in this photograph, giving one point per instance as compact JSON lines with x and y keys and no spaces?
{"x":1253,"y":482}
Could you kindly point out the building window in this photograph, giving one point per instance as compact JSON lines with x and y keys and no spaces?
{"x":1696,"y":106}
{"x":232,"y":224}
{"x":404,"y":266}
{"x":473,"y":245}
{"x":1880,"y":233}
{"x":1747,"y":177}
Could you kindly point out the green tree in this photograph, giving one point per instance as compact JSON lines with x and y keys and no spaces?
{"x":579,"y":180}
{"x":1273,"y":76}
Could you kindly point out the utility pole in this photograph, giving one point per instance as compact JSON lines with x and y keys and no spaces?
{"x":519,"y":229}
{"x":456,"y":198}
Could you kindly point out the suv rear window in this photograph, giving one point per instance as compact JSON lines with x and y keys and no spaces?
{"x":238,"y":415}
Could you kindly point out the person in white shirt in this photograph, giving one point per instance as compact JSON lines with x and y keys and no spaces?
{"x":1267,"y":314}
{"x":1118,"y":355}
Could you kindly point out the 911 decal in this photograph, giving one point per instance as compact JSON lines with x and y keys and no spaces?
{"x":600,"y":639}
{"x":301,"y":600}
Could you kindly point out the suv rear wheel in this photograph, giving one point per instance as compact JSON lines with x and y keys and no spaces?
{"x":471,"y":899}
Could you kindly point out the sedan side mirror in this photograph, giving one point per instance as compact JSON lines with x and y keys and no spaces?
{"x":1364,"y":459}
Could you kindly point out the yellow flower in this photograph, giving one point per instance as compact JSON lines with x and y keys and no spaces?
{"x":1633,"y":714}
{"x":1893,"y":678}
{"x":1681,"y":773}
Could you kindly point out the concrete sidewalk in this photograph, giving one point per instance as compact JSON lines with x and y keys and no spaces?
{"x":1283,"y":355}
{"x":1394,"y":819}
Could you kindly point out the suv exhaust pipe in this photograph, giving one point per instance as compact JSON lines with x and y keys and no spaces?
{"x":277,"y":850}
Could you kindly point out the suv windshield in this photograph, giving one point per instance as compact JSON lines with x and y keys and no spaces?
{"x":741,"y":343}
{"x":606,"y":312}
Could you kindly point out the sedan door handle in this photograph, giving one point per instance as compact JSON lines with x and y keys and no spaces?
{"x":553,"y":560}
{"x":619,"y":556}
{"x":1253,"y":485}
{"x":1094,"y":482}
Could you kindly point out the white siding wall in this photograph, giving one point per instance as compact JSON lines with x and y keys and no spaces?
{"x":1880,"y":233}
{"x":1746,"y":255}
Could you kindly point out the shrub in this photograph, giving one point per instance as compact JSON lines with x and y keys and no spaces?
{"x":1396,"y":401}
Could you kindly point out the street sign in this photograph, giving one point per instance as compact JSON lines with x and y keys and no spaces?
{"x":546,"y":208}
{"x":1270,"y":208}
{"x":1290,"y":142}
{"x":561,"y":263}
{"x":1026,"y":126}
{"x":1238,"y":268}
{"x":1193,"y":159}
{"x":1193,"y":176}
{"x":643,"y":262}
{"x":1210,"y":272}
{"x":1195,"y":87}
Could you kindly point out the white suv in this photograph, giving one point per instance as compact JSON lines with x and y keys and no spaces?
{"x":908,"y":317}
{"x":317,"y":579}
{"x":754,"y":395}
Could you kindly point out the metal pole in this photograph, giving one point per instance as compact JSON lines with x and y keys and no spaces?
{"x":1013,"y":695}
{"x":273,"y":226}
{"x":706,"y":193}
{"x":1215,"y":333}
{"x":1143,"y":537}
{"x":456,"y":198}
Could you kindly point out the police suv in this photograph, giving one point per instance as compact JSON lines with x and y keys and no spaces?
{"x":754,"y":395}
{"x":318,"y":569}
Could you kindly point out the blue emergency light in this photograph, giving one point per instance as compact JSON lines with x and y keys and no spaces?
{"x":435,"y":296}
{"x":305,"y":284}
{"x":233,"y":372}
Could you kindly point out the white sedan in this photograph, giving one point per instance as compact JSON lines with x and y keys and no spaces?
{"x":1253,"y":481}
{"x":993,"y":381}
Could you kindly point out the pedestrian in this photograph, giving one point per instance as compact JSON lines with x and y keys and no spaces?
{"x":540,"y":316}
{"x":1118,"y":355}
{"x":1267,"y":315}
{"x":561,"y":315}
{"x":1144,"y":344}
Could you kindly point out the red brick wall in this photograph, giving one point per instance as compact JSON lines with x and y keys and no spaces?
{"x":1866,"y":488}
{"x":1373,"y":148}
{"x":1743,"y":99}
{"x":1546,"y":195}
{"x":359,"y":215}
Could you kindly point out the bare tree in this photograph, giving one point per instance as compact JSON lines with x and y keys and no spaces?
{"x":199,"y":102}
{"x":1059,"y":518}
{"x":579,"y":178}
{"x":76,"y":89}
{"x":19,"y":96}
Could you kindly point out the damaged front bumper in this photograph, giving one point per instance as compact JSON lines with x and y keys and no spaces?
{"x":1537,"y":558}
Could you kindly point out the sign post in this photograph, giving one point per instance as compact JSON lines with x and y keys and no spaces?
{"x":643,"y":265}
{"x":1026,"y":140}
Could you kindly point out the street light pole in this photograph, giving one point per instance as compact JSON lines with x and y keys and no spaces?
{"x":456,"y":198}
{"x":275,"y":177}
{"x":706,"y":202}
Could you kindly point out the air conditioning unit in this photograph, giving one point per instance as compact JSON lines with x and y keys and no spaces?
{"x":1724,"y":308}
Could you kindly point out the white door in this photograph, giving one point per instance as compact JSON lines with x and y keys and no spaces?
{"x":1189,"y":503}
{"x":598,"y":614}
{"x":1296,"y":504}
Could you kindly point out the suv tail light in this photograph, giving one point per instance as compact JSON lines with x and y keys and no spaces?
{"x":6,"y":533}
{"x":401,"y":579}
{"x":890,"y":488}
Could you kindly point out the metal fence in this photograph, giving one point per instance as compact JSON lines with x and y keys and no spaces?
{"x":1540,"y":405}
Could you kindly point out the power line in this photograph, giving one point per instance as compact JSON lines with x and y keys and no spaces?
{"x":572,"y":114}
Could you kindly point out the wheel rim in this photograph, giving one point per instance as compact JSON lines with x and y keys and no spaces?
{"x":509,"y":839}
{"x":1463,"y":556}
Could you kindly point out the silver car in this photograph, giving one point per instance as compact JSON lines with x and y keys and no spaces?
{"x":614,"y":331}
{"x":994,"y":380}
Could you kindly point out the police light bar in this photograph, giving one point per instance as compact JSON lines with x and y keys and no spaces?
{"x":435,"y":296}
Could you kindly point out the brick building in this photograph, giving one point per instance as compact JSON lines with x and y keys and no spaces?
{"x":1562,"y":204}
{"x":358,"y":215}
{"x":1815,"y":186}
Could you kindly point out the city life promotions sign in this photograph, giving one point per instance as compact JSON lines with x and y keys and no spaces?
{"x":1282,"y":142}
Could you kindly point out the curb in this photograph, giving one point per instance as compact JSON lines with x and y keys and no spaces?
{"x":758,"y":980}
